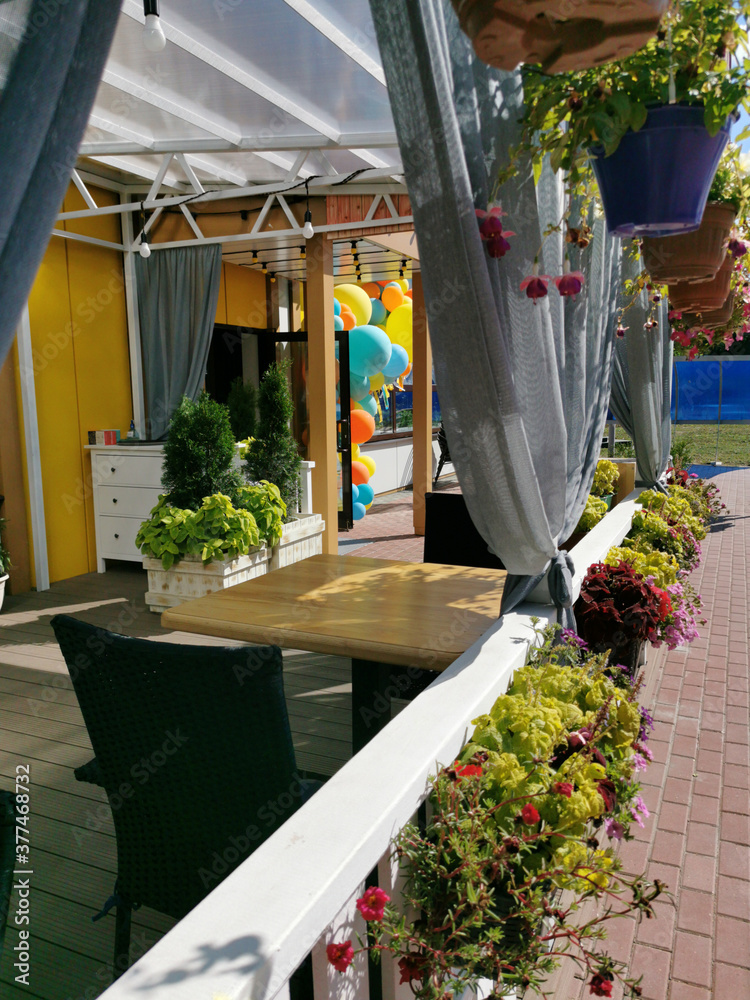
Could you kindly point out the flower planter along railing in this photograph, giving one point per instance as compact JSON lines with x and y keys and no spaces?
{"x":703,"y":296}
{"x":695,"y":256}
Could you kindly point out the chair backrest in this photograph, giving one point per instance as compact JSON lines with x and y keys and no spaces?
{"x":195,"y":752}
{"x":450,"y":535}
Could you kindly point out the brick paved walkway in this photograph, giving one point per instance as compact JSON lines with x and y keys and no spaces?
{"x":698,"y":787}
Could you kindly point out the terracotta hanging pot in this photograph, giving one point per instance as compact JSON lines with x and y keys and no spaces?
{"x":561,"y":35}
{"x":702,"y":296}
{"x":713,"y":319}
{"x":695,"y":256}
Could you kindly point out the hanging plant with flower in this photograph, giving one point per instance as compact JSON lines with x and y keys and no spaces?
{"x":550,"y":770}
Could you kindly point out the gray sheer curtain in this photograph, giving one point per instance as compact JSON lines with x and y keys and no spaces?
{"x":51,"y":61}
{"x":642,"y":387}
{"x":177,"y":295}
{"x":523,"y":387}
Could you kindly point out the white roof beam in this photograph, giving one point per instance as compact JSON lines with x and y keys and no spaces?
{"x":98,"y":122}
{"x":84,"y":191}
{"x":190,"y":173}
{"x":127,"y":85}
{"x":161,"y":174}
{"x":227,"y":67}
{"x":342,"y":41}
{"x":247,"y":143}
{"x":191,"y":222}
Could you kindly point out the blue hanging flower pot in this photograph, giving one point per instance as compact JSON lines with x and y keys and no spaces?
{"x":656,"y":183}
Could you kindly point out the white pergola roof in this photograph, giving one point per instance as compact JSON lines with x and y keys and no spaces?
{"x":248,"y":91}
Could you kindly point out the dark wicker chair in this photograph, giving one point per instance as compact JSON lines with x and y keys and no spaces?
{"x":450,"y":535}
{"x":194,"y":750}
{"x":7,"y":856}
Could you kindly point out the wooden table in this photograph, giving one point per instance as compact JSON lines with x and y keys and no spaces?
{"x":382,"y":613}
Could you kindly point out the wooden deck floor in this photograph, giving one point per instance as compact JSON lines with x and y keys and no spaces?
{"x":73,"y":849}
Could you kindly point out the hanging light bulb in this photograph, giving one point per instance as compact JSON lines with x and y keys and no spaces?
{"x":154,"y":39}
{"x":307,"y":230}
{"x":303,"y":253}
{"x":264,"y":268}
{"x":272,"y":276}
{"x":144,"y":249}
{"x":255,"y":257}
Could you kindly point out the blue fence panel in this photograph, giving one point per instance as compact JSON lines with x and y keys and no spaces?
{"x":735,"y":397}
{"x":695,"y":391}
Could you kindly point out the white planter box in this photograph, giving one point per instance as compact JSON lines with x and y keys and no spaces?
{"x":189,"y":578}
{"x":301,"y":538}
{"x":3,"y":580}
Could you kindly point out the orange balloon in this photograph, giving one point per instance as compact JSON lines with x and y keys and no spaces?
{"x":360,"y":473}
{"x":362,"y":426}
{"x":408,"y":369}
{"x":409,"y":294}
{"x":372,"y":288}
{"x":348,"y":320}
{"x":392,"y":298}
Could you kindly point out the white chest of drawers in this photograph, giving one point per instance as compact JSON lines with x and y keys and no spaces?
{"x":126,"y":483}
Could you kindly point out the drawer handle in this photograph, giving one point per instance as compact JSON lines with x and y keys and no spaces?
{"x":112,"y":468}
{"x":116,"y":535}
{"x":114,"y":499}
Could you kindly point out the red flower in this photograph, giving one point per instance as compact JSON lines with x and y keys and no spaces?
{"x":340,"y":955}
{"x":563,"y":788}
{"x":372,"y":903}
{"x":621,"y":330}
{"x":497,"y":245}
{"x":529,"y":815}
{"x":600,"y":986}
{"x":608,"y":791}
{"x":411,"y":967}
{"x":665,"y":602}
{"x":489,"y":222}
{"x":468,"y":770}
{"x":570,"y":283}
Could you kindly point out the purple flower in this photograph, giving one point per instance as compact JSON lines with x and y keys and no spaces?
{"x":572,"y":638}
{"x":639,"y":811}
{"x":639,"y":763}
{"x":613,"y":829}
{"x":737,"y":248}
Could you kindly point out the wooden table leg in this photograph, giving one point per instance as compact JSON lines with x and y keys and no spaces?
{"x":374,"y":685}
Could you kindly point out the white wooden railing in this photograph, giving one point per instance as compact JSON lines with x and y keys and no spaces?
{"x":297,"y":891}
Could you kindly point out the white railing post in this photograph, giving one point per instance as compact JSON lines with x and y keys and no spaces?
{"x":305,"y":492}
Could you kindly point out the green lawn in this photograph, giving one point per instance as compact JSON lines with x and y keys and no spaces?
{"x":697,"y":444}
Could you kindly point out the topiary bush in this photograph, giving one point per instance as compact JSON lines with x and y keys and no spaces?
{"x":274,"y":455}
{"x":242,"y":402}
{"x":198,"y":454}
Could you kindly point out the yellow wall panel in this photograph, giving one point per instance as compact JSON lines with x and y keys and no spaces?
{"x":101,"y":354}
{"x":221,"y":305}
{"x":246,"y":296}
{"x":52,"y":337}
{"x":101,"y":227}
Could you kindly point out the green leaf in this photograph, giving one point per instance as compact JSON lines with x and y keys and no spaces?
{"x":638,"y":115}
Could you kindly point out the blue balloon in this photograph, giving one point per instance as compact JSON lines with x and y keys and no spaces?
{"x":336,"y":308}
{"x":359,"y":386}
{"x":369,"y":405}
{"x":399,"y":362}
{"x":366,"y":494}
{"x":338,"y":323}
{"x":338,"y":411}
{"x":379,"y":313}
{"x":359,"y":511}
{"x":355,"y":492}
{"x":369,"y":349}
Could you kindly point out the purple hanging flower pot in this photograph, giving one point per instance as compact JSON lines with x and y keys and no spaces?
{"x":656,"y":182}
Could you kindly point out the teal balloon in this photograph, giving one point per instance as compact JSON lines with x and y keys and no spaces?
{"x":338,"y":323}
{"x":355,"y":492}
{"x":337,"y":308}
{"x":369,"y":405}
{"x":359,"y":511}
{"x":393,"y":284}
{"x":359,"y":386}
{"x":379,"y":313}
{"x":369,"y":349}
{"x":366,"y":494}
{"x":399,"y":362}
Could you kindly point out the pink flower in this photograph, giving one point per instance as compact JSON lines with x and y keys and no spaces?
{"x":492,"y":233}
{"x":737,"y":248}
{"x":563,"y":788}
{"x":497,"y":245}
{"x":674,"y":314}
{"x":570,"y":283}
{"x":372,"y":904}
{"x":340,"y":955}
{"x":620,"y":331}
{"x":600,"y":986}
{"x":536,"y":283}
{"x":613,"y":829}
{"x":529,"y":815}
{"x":639,"y":763}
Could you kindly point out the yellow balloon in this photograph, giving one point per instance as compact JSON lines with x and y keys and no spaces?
{"x":355,"y":452}
{"x":369,"y":464}
{"x":399,"y":326}
{"x":377,"y":382}
{"x":358,"y":301}
{"x":368,"y":505}
{"x":404,"y":285}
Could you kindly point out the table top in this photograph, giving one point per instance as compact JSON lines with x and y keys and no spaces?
{"x":407,"y":614}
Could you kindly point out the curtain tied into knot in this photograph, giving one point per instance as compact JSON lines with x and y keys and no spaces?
{"x":560,"y":580}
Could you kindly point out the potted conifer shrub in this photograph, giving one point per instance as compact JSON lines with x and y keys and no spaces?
{"x":274,"y":457}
